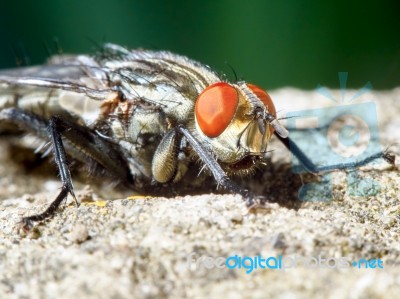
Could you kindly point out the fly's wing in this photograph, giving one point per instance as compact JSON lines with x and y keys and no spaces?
{"x":67,"y":85}
{"x":77,"y":85}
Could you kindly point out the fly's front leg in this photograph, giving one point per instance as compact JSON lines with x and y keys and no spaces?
{"x":309,"y":191}
{"x":311,"y":167}
{"x":218,"y":173}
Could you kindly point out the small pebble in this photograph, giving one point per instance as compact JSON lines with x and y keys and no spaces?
{"x":79,"y":234}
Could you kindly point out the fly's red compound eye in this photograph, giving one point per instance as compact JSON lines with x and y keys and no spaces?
{"x":264,"y":97}
{"x":215,"y":108}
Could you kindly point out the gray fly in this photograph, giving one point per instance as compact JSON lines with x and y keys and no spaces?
{"x":145,"y":118}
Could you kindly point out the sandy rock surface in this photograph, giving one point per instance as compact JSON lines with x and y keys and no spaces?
{"x":116,"y":246}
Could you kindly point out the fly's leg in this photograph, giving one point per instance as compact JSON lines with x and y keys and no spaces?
{"x":311,"y":167}
{"x":25,"y":121}
{"x":252,"y":200}
{"x":218,"y":173}
{"x":85,"y":144}
{"x":65,"y":176}
{"x":34,"y":123}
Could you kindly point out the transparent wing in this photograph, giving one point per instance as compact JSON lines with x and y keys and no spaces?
{"x":79,"y":74}
{"x":73,"y":86}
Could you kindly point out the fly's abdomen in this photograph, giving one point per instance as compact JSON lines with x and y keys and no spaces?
{"x":43,"y":102}
{"x":56,"y":89}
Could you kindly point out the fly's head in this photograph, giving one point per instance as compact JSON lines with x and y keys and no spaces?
{"x":237,"y":122}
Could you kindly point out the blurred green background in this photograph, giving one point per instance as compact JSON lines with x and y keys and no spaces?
{"x":270,"y":43}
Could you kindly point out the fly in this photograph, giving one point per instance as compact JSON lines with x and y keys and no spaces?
{"x":145,"y":118}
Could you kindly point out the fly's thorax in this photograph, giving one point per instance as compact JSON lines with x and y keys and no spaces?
{"x":227,"y":120}
{"x":134,"y":120}
{"x":167,"y":81}
{"x":138,"y":130}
